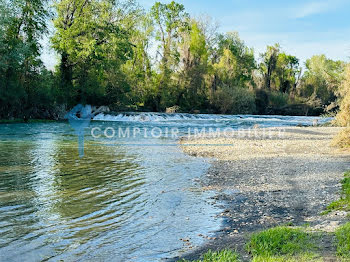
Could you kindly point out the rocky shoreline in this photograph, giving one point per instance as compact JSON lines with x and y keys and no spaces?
{"x":271,"y":177}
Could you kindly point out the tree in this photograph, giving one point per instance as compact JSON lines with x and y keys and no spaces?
{"x":269,"y":63}
{"x":170,"y":20}
{"x":194,"y":61}
{"x":232,"y":75}
{"x":322,"y":79}
{"x":287,"y":73}
{"x":93,"y":44}
{"x":138,"y":70}
{"x":242,"y":55}
{"x":22,"y":24}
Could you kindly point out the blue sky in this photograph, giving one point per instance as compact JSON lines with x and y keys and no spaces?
{"x":303,"y":28}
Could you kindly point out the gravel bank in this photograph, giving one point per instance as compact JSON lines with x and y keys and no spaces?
{"x":268,"y":177}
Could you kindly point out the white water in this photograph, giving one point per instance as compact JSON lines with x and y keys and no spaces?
{"x":243,"y":119}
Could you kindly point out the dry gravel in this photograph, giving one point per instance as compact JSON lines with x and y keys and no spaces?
{"x":268,"y":177}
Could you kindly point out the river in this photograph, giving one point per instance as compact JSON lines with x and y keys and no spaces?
{"x":130,"y":198}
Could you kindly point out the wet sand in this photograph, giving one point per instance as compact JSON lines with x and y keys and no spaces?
{"x":269,"y":177}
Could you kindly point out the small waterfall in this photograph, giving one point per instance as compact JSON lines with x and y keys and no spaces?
{"x":199,"y":118}
{"x":158,"y":117}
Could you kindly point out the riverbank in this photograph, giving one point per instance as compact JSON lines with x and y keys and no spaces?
{"x":268,"y":177}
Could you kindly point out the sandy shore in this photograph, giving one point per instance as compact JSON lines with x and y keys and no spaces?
{"x":268,"y":177}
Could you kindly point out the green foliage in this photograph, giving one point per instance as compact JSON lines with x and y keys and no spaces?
{"x":281,"y":71}
{"x":278,"y":99}
{"x":93,"y":42}
{"x":344,"y":202}
{"x":343,"y":244}
{"x":22,"y":75}
{"x":287,"y":73}
{"x":279,"y":241}
{"x":269,"y":64}
{"x":191,"y":92}
{"x":235,"y":100}
{"x":106,"y":51}
{"x":322,"y":79}
{"x":238,"y":57}
{"x":170,"y":20}
{"x":138,"y":71}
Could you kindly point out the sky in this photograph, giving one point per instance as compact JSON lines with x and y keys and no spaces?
{"x":302,"y":27}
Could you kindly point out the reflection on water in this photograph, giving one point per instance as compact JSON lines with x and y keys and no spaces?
{"x":117,"y":203}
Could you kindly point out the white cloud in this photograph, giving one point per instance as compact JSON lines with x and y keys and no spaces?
{"x":336,"y":48}
{"x":318,"y":7}
{"x":278,"y":24}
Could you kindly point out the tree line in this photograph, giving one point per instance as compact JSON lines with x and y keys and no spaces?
{"x":118,"y":54}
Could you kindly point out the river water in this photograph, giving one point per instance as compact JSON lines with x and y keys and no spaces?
{"x":133,"y":198}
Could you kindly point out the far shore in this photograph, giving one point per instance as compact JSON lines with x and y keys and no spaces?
{"x":268,"y":180}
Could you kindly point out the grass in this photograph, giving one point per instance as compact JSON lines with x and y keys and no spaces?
{"x":221,"y":256}
{"x":279,"y":244}
{"x":344,"y":202}
{"x":279,"y":241}
{"x":343,"y":242}
{"x":301,"y":258}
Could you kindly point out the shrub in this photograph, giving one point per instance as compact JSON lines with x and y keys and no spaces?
{"x":278,"y":99}
{"x":261,"y":101}
{"x":342,"y":139}
{"x":235,"y":100}
{"x":343,"y":117}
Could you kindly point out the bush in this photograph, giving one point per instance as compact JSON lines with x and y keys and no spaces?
{"x":342,"y":139}
{"x":236,"y":100}
{"x":261,"y":101}
{"x":278,"y":99}
{"x":343,"y":117}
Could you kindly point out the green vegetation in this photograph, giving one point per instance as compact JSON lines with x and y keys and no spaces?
{"x":118,"y":54}
{"x":343,"y":245}
{"x":222,"y":256}
{"x":279,"y":241}
{"x":299,"y":258}
{"x":344,"y":202}
{"x":284,"y":244}
{"x":230,"y":256}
